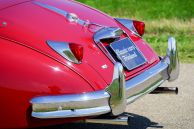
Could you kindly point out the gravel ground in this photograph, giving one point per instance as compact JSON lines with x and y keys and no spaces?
{"x":157,"y":111}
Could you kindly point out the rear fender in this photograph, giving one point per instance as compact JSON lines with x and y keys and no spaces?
{"x":26,"y":73}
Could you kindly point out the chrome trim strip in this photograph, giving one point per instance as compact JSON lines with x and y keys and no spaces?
{"x":71,"y":17}
{"x":72,"y":113}
{"x":52,"y":8}
{"x":97,"y":95}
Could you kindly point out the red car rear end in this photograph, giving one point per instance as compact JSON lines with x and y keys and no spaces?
{"x":62,"y":59}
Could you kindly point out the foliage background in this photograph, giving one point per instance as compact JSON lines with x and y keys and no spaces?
{"x":162,"y":18}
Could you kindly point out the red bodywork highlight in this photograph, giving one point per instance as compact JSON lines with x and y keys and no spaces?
{"x":26,"y":73}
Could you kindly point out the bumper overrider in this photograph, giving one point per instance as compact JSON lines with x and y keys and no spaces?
{"x":115,"y":98}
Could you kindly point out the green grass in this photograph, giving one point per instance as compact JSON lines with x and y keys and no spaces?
{"x":156,"y":35}
{"x":145,"y":9}
{"x":162,"y":18}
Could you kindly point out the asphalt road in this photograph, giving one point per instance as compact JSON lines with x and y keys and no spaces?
{"x":157,"y":111}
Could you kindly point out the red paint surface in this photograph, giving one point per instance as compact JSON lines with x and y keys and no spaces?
{"x":9,"y":3}
{"x":29,"y":67}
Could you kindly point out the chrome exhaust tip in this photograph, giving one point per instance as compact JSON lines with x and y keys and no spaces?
{"x":165,"y":90}
{"x":120,"y":120}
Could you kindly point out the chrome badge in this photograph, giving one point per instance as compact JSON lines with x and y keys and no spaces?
{"x":72,"y":17}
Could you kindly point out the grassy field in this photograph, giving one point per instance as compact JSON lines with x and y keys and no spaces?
{"x":162,"y":18}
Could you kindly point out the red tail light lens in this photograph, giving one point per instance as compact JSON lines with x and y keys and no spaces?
{"x":139,"y":26}
{"x":77,"y":50}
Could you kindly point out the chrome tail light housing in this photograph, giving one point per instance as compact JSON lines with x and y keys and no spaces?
{"x":70,"y":51}
{"x":138,"y":27}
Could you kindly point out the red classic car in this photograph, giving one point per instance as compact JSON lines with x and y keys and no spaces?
{"x":62,"y":61}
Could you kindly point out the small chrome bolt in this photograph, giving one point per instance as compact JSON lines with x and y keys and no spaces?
{"x":105,"y":66}
{"x":72,"y":17}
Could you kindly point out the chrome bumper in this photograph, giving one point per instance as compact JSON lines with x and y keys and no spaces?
{"x":115,"y":98}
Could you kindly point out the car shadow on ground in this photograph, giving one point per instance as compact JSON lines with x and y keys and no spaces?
{"x":135,"y":122}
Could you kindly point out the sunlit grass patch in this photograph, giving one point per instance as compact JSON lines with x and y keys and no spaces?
{"x":171,"y":26}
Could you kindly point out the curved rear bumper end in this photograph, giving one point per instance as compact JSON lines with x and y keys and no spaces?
{"x":115,"y":98}
{"x":172,"y":59}
{"x":75,"y":105}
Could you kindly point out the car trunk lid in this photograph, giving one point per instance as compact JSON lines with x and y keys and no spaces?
{"x":32,"y":25}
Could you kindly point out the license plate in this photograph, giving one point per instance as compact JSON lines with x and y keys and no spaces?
{"x":128,"y":53}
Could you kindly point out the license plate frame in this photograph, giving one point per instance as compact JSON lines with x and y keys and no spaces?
{"x":127,"y":52}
